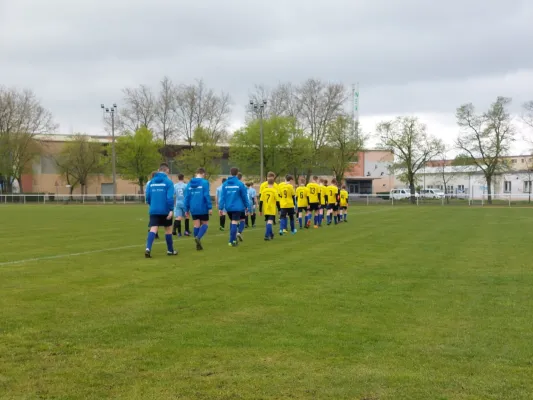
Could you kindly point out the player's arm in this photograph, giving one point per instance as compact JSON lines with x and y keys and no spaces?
{"x":207,"y":196}
{"x":148,"y":195}
{"x":170,"y":197}
{"x":186,"y":199}
{"x":244,"y":196}
{"x":222,"y":200}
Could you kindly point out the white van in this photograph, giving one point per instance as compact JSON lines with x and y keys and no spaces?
{"x":432,"y":194}
{"x":399,"y":194}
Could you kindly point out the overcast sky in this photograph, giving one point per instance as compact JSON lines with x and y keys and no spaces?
{"x":422,"y":57}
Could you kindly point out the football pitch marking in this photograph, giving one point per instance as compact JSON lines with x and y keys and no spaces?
{"x":110,"y":249}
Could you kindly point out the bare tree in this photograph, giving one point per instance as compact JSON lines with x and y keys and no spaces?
{"x":527,"y":116}
{"x":199,"y":107}
{"x":165,"y":117}
{"x":319,"y":104}
{"x":446,"y":172}
{"x":281,"y":100}
{"x":22,"y":117}
{"x":138,"y":109}
{"x":486,"y":137}
{"x":412,"y":146}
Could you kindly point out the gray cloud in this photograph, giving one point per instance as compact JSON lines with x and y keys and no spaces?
{"x":409,"y":56}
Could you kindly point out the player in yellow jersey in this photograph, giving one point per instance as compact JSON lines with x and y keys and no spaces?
{"x":333,"y":201}
{"x":264,"y":185}
{"x":343,"y":203}
{"x":302,"y":199}
{"x":286,"y":202}
{"x":323,"y":200}
{"x":268,"y":204}
{"x":314,"y":199}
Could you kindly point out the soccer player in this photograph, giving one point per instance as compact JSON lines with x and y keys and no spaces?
{"x":221,"y":213}
{"x":343,"y":197}
{"x":268,"y":203}
{"x":234,"y":199}
{"x":179,"y":209}
{"x":302,"y":199}
{"x":323,"y":200}
{"x":242,"y":221}
{"x":333,"y":198}
{"x":147,"y":185}
{"x":252,"y":200}
{"x":264,"y":185}
{"x":287,"y":199}
{"x":198,"y":204}
{"x":314,"y":200}
{"x":160,"y":198}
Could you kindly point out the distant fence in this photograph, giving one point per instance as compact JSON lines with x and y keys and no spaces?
{"x":509,"y":200}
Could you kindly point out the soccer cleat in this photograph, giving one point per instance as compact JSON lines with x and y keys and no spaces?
{"x":172,"y":253}
{"x":284,"y":230}
{"x":198,"y":244}
{"x":147,"y":254}
{"x":239,"y":236}
{"x":315,"y":226}
{"x":221,"y":229}
{"x":294,"y":232}
{"x":308,"y":224}
{"x":187,"y":233}
{"x":272,"y":237}
{"x":281,"y":232}
{"x":232,"y":244}
{"x":267,"y":238}
{"x":174,"y":233}
{"x":179,"y":234}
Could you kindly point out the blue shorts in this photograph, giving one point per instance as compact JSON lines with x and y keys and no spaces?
{"x":179,"y":211}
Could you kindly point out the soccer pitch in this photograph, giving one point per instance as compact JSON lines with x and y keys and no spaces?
{"x":400,"y":303}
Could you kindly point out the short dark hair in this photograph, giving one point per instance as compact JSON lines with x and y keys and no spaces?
{"x":239,"y":176}
{"x":289,"y":177}
{"x":234,"y":171}
{"x":200,"y":171}
{"x":248,"y":184}
{"x":224,"y":180}
{"x":343,"y":186}
{"x":163,"y":166}
{"x":271,"y":175}
{"x":181,"y":177}
{"x":334,"y":181}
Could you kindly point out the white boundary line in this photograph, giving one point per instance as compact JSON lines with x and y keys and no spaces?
{"x":83,"y":253}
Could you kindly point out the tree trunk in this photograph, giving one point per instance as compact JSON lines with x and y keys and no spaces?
{"x":413,"y":190}
{"x":489,"y":189}
{"x":141,"y":185}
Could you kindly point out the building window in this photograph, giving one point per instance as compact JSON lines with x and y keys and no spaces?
{"x":507,"y":187}
{"x":461,"y":188}
{"x":513,"y":161}
{"x":449,"y":189}
{"x":527,"y":187}
{"x":430,"y":186}
{"x":440,"y":187}
{"x":523,"y":161}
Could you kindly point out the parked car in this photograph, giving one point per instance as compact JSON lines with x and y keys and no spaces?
{"x":399,"y":194}
{"x":432,"y":194}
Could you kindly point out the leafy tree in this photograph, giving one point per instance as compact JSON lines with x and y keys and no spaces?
{"x":22,"y":118}
{"x":205,"y":154}
{"x":343,"y":143}
{"x":527,"y":116}
{"x":281,"y":135}
{"x":486,"y":137}
{"x":412,"y":146}
{"x":462,"y":159}
{"x":137,"y":156}
{"x":79,"y":160}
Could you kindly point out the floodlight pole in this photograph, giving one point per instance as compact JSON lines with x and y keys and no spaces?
{"x":260,"y":108}
{"x":111,"y":111}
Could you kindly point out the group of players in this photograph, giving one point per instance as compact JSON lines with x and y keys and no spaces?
{"x":171,"y":203}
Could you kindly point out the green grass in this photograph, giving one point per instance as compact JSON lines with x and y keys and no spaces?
{"x":400,"y":303}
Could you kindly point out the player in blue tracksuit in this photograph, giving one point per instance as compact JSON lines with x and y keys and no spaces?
{"x":234,"y":199}
{"x":160,"y":198}
{"x":179,"y":208}
{"x":145,"y":190}
{"x":198,"y":204}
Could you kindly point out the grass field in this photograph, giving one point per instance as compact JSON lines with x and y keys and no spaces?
{"x":400,"y":303}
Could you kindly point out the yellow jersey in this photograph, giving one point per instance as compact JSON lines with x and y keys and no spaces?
{"x":302,"y":194}
{"x":323,"y":194}
{"x":286,"y":194}
{"x":344,"y":198}
{"x":268,"y":200}
{"x":314,"y":190}
{"x":332,"y":192}
{"x":264,"y":185}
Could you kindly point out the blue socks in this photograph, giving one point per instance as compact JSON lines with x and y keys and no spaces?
{"x":233,"y":233}
{"x":201,"y":231}
{"x":150,"y":240}
{"x":292,"y":224}
{"x":170,"y":245}
{"x":300,"y":221}
{"x":316,"y":219}
{"x":268,"y":230}
{"x":335,"y":219}
{"x":241,"y":226}
{"x":195,"y":231}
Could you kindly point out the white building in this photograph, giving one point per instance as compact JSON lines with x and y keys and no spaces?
{"x":470,"y":181}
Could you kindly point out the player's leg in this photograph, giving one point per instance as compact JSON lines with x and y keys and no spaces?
{"x":335,"y":214}
{"x":168,"y":237}
{"x":247,"y":220}
{"x":187,"y":226}
{"x":282,"y":221}
{"x":253,"y":216}
{"x":242,"y":219}
{"x":345,"y":214}
{"x":154,"y":227}
{"x":234,"y":227}
{"x":269,"y":233}
{"x":291,"y":219}
{"x":196,"y":225}
{"x":204,"y":225}
{"x":222,"y":220}
{"x":179,"y":213}
{"x":300,"y":217}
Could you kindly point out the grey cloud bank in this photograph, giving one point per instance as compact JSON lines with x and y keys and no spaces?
{"x":410,"y":56}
